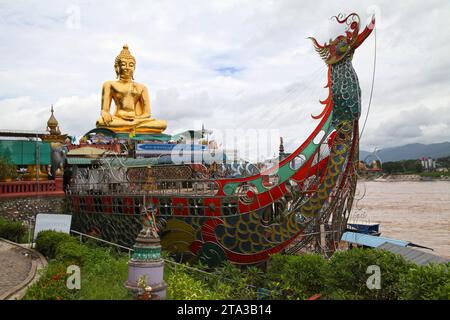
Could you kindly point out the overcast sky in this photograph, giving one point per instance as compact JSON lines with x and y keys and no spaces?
{"x":231,"y":65}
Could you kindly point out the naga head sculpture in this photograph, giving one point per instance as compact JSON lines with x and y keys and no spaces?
{"x":344,"y":45}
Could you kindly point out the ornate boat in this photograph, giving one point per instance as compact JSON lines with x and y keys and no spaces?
{"x":244,"y":219}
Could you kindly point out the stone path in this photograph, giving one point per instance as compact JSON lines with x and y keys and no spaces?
{"x":15,"y":266}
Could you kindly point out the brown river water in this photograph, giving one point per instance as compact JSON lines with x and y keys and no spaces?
{"x":418,"y":212}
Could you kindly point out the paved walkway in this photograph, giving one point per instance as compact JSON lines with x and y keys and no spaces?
{"x":16,"y":267}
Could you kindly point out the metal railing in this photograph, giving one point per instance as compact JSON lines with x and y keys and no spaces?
{"x":160,"y":187}
{"x":101,"y":240}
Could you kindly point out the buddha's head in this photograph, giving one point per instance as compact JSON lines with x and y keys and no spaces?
{"x":125,"y":64}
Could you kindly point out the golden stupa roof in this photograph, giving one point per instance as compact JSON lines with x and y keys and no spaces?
{"x":54,"y":134}
{"x":52,"y":122}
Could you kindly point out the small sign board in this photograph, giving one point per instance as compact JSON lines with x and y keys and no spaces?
{"x":55,"y":222}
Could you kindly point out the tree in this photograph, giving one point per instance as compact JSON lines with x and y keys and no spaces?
{"x":7,"y":169}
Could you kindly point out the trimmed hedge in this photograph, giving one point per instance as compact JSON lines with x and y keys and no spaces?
{"x":430,"y":282}
{"x":344,"y":277}
{"x":11,"y":230}
{"x":297,"y":277}
{"x":347,"y":277}
{"x":72,"y":252}
{"x":47,"y":242}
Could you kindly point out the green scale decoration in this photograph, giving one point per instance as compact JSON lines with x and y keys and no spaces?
{"x":146,"y":252}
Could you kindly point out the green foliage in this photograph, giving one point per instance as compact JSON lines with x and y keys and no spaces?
{"x":72,"y":252}
{"x":415,"y":167}
{"x":443,"y":162}
{"x":7,"y":169}
{"x":430,"y":282}
{"x":347,"y":277}
{"x":103,"y":270}
{"x":103,"y":275}
{"x":47,"y":242}
{"x":51,"y":284}
{"x":403,"y":166}
{"x":296,"y":277}
{"x":182,"y":285}
{"x":13,"y":231}
{"x":435,"y":174}
{"x":243,"y":283}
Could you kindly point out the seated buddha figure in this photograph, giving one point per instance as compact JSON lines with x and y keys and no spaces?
{"x":132,"y":101}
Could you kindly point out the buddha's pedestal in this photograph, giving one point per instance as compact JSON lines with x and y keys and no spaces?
{"x":146,"y":269}
{"x":35,"y":173}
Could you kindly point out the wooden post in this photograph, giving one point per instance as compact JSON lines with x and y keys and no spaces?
{"x":323,"y":242}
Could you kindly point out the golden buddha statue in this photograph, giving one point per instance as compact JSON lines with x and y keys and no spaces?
{"x":131,"y":99}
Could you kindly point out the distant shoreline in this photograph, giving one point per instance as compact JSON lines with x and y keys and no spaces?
{"x":404,"y":177}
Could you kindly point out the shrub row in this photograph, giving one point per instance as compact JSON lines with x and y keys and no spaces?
{"x":345,"y":276}
{"x":13,"y":231}
{"x":103,"y":271}
{"x":48,"y":242}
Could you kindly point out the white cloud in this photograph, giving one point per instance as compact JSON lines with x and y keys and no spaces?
{"x":228,"y":64}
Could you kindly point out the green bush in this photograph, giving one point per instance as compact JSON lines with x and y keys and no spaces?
{"x":47,"y":242}
{"x":13,"y":231}
{"x":347,"y":277}
{"x":430,"y":282}
{"x":103,"y":274}
{"x":237,"y":282}
{"x":8,"y":170}
{"x":71,"y":252}
{"x":182,"y":285}
{"x":103,"y":270}
{"x":296,"y":276}
{"x":51,"y":284}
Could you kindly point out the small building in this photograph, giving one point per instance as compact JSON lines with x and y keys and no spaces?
{"x":428,"y":164}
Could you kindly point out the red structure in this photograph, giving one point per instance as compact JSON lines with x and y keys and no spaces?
{"x":53,"y":188}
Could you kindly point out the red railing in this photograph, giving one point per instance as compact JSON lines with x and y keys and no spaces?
{"x":31,"y":188}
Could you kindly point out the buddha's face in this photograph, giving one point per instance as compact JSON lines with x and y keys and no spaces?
{"x":126,"y":68}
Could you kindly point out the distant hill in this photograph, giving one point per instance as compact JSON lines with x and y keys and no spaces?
{"x":411,"y":151}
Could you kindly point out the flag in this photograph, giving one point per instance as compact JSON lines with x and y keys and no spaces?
{"x":132,"y":133}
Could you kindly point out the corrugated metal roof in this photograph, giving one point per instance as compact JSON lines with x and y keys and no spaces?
{"x":370,"y":241}
{"x":418,"y":257}
{"x":79,"y":161}
{"x":22,"y":133}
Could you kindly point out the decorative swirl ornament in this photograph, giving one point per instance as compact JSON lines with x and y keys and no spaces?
{"x":343,"y":45}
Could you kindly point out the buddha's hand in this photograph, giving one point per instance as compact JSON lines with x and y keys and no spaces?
{"x":106,"y":117}
{"x":145,"y":115}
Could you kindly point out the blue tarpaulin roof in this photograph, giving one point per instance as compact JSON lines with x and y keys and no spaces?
{"x":371,"y":241}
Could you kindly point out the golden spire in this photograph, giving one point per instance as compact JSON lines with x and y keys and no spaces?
{"x":52,"y":124}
